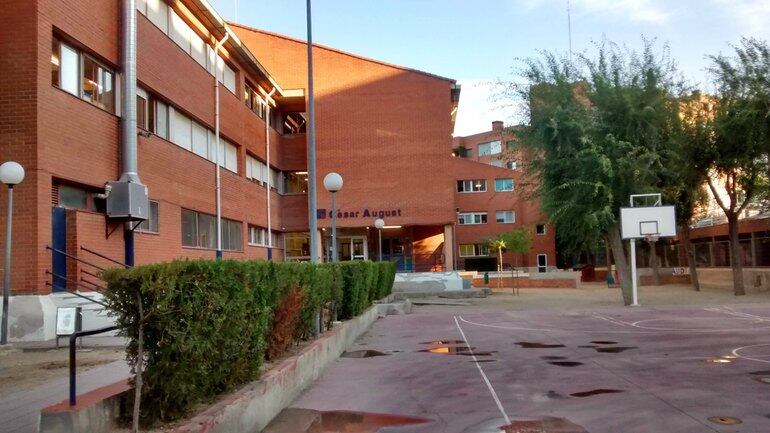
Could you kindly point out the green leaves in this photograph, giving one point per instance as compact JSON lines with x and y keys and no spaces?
{"x":598,"y":129}
{"x":207,"y":323}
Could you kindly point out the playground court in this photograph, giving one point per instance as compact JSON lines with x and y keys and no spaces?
{"x":554,"y":361}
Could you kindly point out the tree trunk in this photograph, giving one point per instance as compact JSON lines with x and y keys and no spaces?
{"x":621,"y":262}
{"x":499,"y":268}
{"x":736,"y":258}
{"x":139,"y":367}
{"x":654,"y":264}
{"x":690,"y":252}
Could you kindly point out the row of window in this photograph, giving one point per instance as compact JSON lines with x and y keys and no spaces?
{"x":167,"y":20}
{"x":472,"y":218}
{"x":480,"y":185}
{"x":259,"y":236}
{"x":191,"y":135}
{"x":495,"y":147}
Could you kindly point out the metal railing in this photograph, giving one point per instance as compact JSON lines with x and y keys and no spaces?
{"x":73,"y":359}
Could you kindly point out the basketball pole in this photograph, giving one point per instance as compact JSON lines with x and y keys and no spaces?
{"x":634,"y":288}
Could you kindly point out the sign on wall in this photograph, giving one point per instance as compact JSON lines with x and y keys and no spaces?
{"x":364,"y":213}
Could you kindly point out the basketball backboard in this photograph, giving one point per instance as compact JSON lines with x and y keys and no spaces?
{"x":647,"y":221}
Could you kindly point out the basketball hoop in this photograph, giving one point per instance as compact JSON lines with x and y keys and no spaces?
{"x":652,"y":238}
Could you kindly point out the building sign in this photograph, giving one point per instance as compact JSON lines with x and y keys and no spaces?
{"x":363,"y":213}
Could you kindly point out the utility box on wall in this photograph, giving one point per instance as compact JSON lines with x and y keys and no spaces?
{"x":128,"y":201}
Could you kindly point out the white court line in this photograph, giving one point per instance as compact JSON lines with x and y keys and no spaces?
{"x":483,"y":375}
{"x":737,"y":352}
{"x":611,"y":320}
{"x":641,"y":329}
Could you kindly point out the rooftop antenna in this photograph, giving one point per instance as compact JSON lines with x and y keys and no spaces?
{"x":569,"y":29}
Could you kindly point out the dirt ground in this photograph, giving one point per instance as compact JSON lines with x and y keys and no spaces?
{"x":27,"y":368}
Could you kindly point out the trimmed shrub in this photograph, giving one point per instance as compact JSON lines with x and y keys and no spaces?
{"x":209,"y":324}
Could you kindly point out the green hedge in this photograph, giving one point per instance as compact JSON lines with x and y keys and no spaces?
{"x":207,"y":322}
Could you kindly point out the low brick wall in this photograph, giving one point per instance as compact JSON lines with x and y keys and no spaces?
{"x":527,"y":283}
{"x":647,"y":280}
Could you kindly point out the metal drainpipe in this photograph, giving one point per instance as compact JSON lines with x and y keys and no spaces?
{"x":268,"y":98}
{"x":217,"y":47}
{"x":128,"y":114}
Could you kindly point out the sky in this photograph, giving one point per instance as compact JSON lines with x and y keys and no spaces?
{"x":480,"y":42}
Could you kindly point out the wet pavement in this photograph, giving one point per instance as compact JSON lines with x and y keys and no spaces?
{"x":639,"y":370}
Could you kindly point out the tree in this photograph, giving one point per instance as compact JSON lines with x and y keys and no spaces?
{"x":740,"y":137}
{"x":684,"y":179}
{"x":515,"y":241}
{"x":596,"y":129}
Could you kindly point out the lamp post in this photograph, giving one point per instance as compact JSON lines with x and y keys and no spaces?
{"x":379,"y":223}
{"x":11,"y":173}
{"x":333,"y":183}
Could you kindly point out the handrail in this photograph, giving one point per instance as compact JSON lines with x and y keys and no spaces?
{"x":48,"y":247}
{"x":79,"y":295}
{"x":104,"y":257}
{"x":73,"y":360}
{"x":55,"y":275}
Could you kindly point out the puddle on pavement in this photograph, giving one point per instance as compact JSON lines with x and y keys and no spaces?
{"x":362,"y":354}
{"x":295,"y":420}
{"x":595,"y":392}
{"x":760,"y":373}
{"x":720,"y":359}
{"x":553,"y":358}
{"x":762,"y":379}
{"x":604,"y":342}
{"x":484,"y":360}
{"x":614,"y":349}
{"x":531,"y":345}
{"x":725,"y":420}
{"x":545,"y":425}
{"x":566,"y":363}
{"x":456,"y":350}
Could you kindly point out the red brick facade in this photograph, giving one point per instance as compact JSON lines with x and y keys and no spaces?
{"x":385,"y":129}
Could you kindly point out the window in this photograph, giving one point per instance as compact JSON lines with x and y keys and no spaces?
{"x":254,"y":101}
{"x":473,"y":250}
{"x":295,"y":182}
{"x":73,"y":197}
{"x":505,"y":216}
{"x":542,"y":263}
{"x":83,"y":76}
{"x":462,"y":152}
{"x":277,"y":181}
{"x":171,"y":24}
{"x":475,"y":185}
{"x":199,"y":230}
{"x":490,"y":148}
{"x":191,"y":135}
{"x":502,"y":185}
{"x":160,"y":120}
{"x":540,"y":229}
{"x":256,"y":170}
{"x":142,"y":112}
{"x":296,"y":246}
{"x":152,"y":223}
{"x":511,"y":165}
{"x":258,"y":236}
{"x":468,"y":218}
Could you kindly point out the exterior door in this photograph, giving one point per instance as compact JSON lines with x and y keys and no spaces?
{"x":352,"y":248}
{"x":59,"y":242}
{"x":542,"y":263}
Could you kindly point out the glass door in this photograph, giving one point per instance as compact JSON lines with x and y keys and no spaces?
{"x":359,"y":248}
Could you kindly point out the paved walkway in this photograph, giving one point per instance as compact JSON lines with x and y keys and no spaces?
{"x":20,"y":411}
{"x":599,"y":370}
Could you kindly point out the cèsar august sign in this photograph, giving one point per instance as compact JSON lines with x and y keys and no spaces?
{"x":364,"y":213}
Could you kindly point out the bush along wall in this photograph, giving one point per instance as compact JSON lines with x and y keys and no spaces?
{"x":209,"y":325}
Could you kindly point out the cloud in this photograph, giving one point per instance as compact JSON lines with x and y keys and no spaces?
{"x":647,"y":11}
{"x":751,"y":16}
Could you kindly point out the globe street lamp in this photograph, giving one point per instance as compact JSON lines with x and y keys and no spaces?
{"x":11,"y":173}
{"x":333,"y":183}
{"x":379,"y":223}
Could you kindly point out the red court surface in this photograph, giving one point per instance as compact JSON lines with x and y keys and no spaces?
{"x":689,"y":369}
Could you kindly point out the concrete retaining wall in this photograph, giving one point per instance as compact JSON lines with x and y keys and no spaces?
{"x":95,"y":412}
{"x":755,"y":279}
{"x":251,"y":408}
